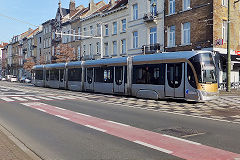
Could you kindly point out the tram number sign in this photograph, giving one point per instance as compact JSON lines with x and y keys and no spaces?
{"x":219,"y":42}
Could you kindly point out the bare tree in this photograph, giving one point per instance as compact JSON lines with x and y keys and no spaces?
{"x":65,"y":53}
{"x":28,"y":65}
{"x":41,"y":60}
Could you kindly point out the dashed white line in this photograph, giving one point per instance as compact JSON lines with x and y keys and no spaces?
{"x":41,"y":109}
{"x":154,"y":147}
{"x":61,"y":108}
{"x":84,"y":114}
{"x":99,"y":129}
{"x":45,"y":98}
{"x":119,"y":123}
{"x":62,"y":117}
{"x":180,"y":139}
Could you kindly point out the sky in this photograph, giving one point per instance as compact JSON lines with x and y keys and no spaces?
{"x":35,"y":12}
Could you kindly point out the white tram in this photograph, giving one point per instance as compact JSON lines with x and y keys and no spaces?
{"x":185,"y":75}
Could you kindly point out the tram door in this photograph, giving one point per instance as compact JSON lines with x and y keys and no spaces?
{"x":89,"y":79}
{"x":119,"y":80}
{"x":174,"y":86}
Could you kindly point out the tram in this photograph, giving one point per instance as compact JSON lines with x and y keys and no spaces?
{"x":186,"y":75}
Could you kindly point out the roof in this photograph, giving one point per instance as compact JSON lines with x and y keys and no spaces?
{"x":3,"y":45}
{"x":120,"y":3}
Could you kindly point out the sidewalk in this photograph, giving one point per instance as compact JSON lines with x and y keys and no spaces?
{"x":234,"y":92}
{"x":12,"y":149}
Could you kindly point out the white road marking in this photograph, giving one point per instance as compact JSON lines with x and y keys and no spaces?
{"x":41,"y":109}
{"x":62,"y":117}
{"x":45,"y":98}
{"x":31,"y":98}
{"x":84,"y":114}
{"x":61,"y":108}
{"x":180,"y":139}
{"x":7,"y":99}
{"x":154,"y":147}
{"x":19,"y":98}
{"x":68,"y":97}
{"x":119,"y":123}
{"x":99,"y":129}
{"x":56,"y":97}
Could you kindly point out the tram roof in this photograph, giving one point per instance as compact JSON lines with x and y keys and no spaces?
{"x":121,"y":60}
{"x":74,"y":64}
{"x":167,"y":56}
{"x":38,"y":67}
{"x":56,"y":65}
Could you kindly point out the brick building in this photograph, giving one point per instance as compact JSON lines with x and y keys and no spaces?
{"x":202,"y":25}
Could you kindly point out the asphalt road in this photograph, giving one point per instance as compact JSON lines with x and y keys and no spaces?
{"x":52,"y":137}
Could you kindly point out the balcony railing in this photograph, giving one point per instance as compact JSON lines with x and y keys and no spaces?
{"x":150,"y":17}
{"x":152,"y":48}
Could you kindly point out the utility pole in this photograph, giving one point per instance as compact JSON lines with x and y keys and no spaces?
{"x":228,"y":51}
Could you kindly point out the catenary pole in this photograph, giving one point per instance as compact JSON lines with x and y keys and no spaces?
{"x":228,"y":51}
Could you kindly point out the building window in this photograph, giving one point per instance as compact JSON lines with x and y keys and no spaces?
{"x":79,"y":33}
{"x":225,"y":3}
{"x":84,"y":50}
{"x":115,"y":48}
{"x":135,"y":11}
{"x":74,"y":32}
{"x":106,"y":30}
{"x":90,"y":49}
{"x":98,"y":29}
{"x":123,"y":44}
{"x":135,"y":39}
{"x":114,"y":28}
{"x":186,"y":33}
{"x":97,"y":47}
{"x":171,"y":6}
{"x":224,"y":31}
{"x":106,"y":49}
{"x":91,"y":30}
{"x":84,"y":31}
{"x":153,"y":35}
{"x":186,"y":5}
{"x":124,"y":25}
{"x":171,"y":36}
{"x":153,"y":7}
{"x":40,"y":40}
{"x":79,"y":53}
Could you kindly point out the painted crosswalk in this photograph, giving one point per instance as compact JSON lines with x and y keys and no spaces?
{"x":15,"y":98}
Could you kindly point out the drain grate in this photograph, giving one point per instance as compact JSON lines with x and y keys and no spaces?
{"x":181,"y":132}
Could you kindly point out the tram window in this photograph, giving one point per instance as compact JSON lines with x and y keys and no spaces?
{"x":47,"y":75}
{"x":108,"y":75}
{"x":119,"y":75}
{"x":149,"y":74}
{"x":75,"y":74}
{"x":39,"y":75}
{"x":99,"y":72}
{"x":89,"y":75}
{"x":61,"y":75}
{"x":56,"y":75}
{"x":190,"y":76}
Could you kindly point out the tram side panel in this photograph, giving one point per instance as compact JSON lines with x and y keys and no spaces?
{"x":148,"y":81}
{"x":75,"y":79}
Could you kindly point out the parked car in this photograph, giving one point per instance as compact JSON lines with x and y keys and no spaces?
{"x":28,"y":80}
{"x":13,"y":79}
{"x":8,"y":77}
{"x":22,"y":79}
{"x":4,"y":79}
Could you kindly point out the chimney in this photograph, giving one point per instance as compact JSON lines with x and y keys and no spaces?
{"x":112,"y":2}
{"x":72,"y":7}
{"x":92,"y":5}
